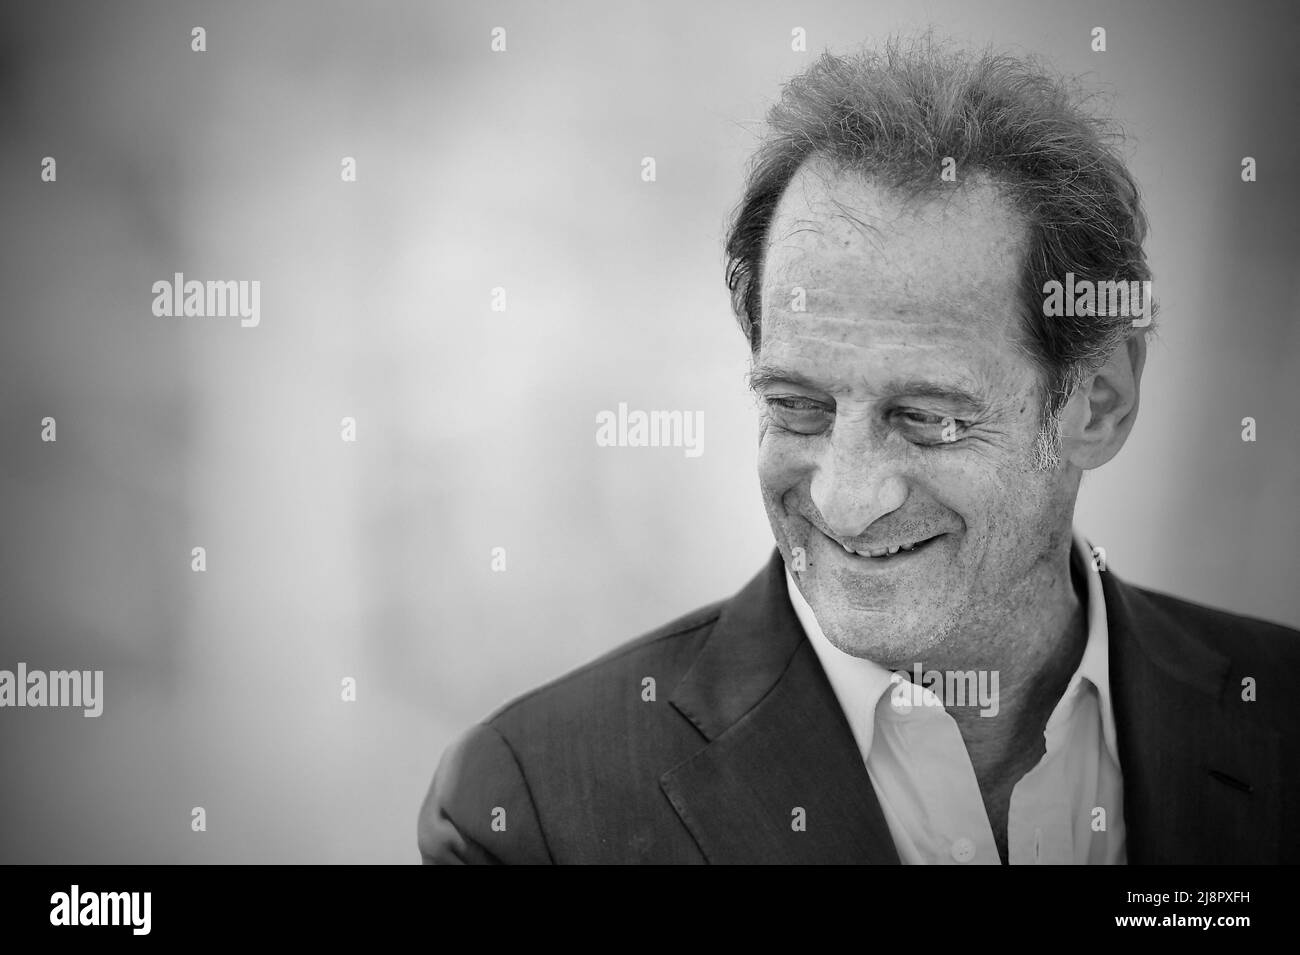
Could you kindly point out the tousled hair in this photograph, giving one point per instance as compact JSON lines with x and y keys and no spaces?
{"x":897,"y":113}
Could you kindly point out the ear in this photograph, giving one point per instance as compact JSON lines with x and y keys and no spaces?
{"x":1096,"y":421}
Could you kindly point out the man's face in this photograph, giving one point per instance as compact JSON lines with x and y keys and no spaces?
{"x":899,"y":409}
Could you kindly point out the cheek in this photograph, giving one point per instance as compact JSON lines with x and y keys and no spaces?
{"x":991,"y":503}
{"x":1009,"y":513}
{"x":782,"y":461}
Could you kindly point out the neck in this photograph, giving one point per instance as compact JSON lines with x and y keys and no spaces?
{"x":1034,"y":645}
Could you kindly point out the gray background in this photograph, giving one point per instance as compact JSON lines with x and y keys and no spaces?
{"x":476,"y":428}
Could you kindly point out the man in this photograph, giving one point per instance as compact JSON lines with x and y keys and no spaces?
{"x":934,"y":667}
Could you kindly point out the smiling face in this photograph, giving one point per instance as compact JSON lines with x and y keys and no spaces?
{"x":900,"y":411}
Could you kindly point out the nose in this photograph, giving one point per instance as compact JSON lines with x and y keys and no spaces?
{"x":856,"y":481}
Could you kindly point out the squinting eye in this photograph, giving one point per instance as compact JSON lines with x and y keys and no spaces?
{"x":794,"y":403}
{"x":933,"y":429}
{"x":797,"y":413}
{"x":920,"y":418}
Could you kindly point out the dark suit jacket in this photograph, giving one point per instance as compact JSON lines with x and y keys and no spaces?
{"x":745,"y":728}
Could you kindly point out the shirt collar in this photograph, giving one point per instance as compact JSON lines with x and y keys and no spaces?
{"x":859,"y":683}
{"x":1095,"y":664}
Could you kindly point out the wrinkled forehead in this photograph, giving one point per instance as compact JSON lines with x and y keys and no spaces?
{"x":844,"y":247}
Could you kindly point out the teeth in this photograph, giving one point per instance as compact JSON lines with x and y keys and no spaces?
{"x":888,"y":551}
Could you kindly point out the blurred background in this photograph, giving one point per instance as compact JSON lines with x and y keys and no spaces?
{"x":475,"y":428}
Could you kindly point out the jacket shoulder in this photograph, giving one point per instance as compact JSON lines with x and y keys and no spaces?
{"x":577,"y":761}
{"x":663,"y":655}
{"x":1237,"y":636}
{"x":1262,"y":658}
{"x":478,"y":809}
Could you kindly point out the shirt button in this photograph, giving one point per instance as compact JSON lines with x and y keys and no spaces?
{"x":963,"y":850}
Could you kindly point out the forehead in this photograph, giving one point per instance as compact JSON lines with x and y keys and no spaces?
{"x":878,"y":271}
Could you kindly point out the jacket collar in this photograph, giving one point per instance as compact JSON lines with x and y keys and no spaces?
{"x":1200,"y":779}
{"x":781,"y":779}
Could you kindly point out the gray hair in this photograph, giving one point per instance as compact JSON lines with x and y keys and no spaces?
{"x":896,"y":115}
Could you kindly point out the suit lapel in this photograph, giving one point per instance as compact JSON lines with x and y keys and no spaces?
{"x":781,"y":779}
{"x":1200,"y":780}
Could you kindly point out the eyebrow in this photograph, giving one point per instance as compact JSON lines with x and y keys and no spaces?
{"x":762,"y":376}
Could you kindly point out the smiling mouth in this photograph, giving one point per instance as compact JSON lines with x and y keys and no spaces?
{"x":889,"y":551}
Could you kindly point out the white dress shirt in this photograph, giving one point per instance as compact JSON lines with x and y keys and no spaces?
{"x":1066,"y":810}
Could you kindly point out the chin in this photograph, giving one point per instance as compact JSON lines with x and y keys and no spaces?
{"x":882,"y":638}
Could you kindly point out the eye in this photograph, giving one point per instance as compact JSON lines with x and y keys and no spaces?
{"x":921,"y":418}
{"x":931,"y":429}
{"x":797,"y":413}
{"x":794,"y":403}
